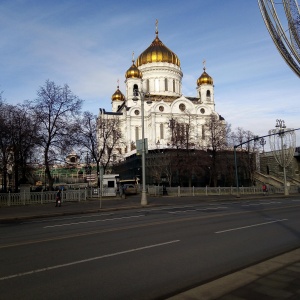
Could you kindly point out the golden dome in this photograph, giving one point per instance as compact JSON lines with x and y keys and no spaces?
{"x":204,"y":79}
{"x":157,"y":52}
{"x":133,"y":72}
{"x":118,"y":96}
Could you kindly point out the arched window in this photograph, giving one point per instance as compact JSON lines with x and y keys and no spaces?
{"x":166,"y":84}
{"x":147,"y":85}
{"x":136,"y":133}
{"x":208,"y":94}
{"x":135,"y":89}
{"x":173,"y":85}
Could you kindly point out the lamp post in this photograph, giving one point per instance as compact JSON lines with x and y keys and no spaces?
{"x":262,"y":143}
{"x":135,"y":99}
{"x":283,"y":143}
{"x":281,"y":125}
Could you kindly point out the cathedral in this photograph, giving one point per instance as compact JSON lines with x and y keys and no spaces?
{"x":154,"y":84}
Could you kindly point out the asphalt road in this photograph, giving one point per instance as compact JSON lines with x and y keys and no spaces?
{"x":149,"y":253}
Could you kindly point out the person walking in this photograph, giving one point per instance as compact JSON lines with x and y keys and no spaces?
{"x":264,"y":188}
{"x":58,"y":199}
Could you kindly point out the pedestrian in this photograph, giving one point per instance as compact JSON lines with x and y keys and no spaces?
{"x":120,"y":190}
{"x":264,"y":188}
{"x":58,"y":199}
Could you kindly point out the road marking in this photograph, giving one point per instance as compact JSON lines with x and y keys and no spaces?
{"x":254,"y":225}
{"x":67,"y":218}
{"x":132,"y":226}
{"x":87,"y":260}
{"x":265,"y":203}
{"x":196,"y":209}
{"x":164,"y":208}
{"x":181,"y":211}
{"x":94,"y":221}
{"x":218,"y":207}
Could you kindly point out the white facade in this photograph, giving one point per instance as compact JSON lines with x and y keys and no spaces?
{"x":157,"y":75}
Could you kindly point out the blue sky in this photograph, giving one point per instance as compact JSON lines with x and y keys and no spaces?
{"x":88,"y":45}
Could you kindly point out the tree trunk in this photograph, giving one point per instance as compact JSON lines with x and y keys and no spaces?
{"x":4,"y":180}
{"x":47,"y":172}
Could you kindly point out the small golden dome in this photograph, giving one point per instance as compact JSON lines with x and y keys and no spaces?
{"x":133,"y":72}
{"x":157,"y":52}
{"x":204,"y":79}
{"x":118,"y":96}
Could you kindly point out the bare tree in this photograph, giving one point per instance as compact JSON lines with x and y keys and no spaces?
{"x":182,"y":132}
{"x":109,"y":138}
{"x":217,"y":132}
{"x":187,"y":163}
{"x":101,"y":138}
{"x":4,"y":142}
{"x":23,"y":142}
{"x":17,"y":141}
{"x":55,"y":111}
{"x":246,"y":152}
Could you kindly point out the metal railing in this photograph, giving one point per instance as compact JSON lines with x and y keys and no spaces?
{"x":29,"y":198}
{"x":206,"y":191}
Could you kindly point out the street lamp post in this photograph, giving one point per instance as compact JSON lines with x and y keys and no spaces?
{"x":262,"y":143}
{"x":135,"y":99}
{"x":281,"y":125}
{"x":283,"y":143}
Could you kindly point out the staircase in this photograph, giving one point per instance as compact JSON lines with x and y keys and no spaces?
{"x":268,"y":179}
{"x":274,"y":181}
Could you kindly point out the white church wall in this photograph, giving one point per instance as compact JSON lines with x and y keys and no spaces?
{"x":164,"y":79}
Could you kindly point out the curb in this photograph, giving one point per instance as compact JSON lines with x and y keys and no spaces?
{"x":224,"y":285}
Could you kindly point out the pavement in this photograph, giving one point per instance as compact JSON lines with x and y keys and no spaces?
{"x":275,"y":278}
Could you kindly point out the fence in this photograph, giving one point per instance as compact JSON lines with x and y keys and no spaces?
{"x":26,"y":198}
{"x":205,"y":191}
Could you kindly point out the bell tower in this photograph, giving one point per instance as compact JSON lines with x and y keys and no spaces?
{"x":205,"y":88}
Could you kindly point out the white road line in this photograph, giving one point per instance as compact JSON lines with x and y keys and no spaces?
{"x":87,"y":260}
{"x":68,"y":218}
{"x":94,"y":221}
{"x":183,"y":211}
{"x":218,"y":207}
{"x":164,"y":208}
{"x":199,"y":209}
{"x":254,"y":225}
{"x":265,"y":203}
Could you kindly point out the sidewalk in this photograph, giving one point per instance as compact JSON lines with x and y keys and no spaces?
{"x":276,"y":278}
{"x":15,"y":213}
{"x":18,"y":213}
